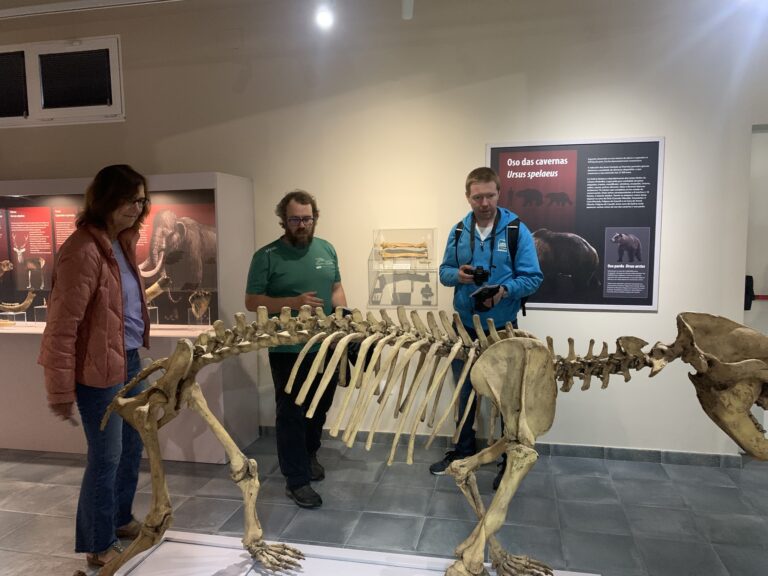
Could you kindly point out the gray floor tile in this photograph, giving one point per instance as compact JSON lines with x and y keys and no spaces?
{"x":428,"y":455}
{"x":44,"y":471}
{"x":655,"y":522}
{"x":648,"y":493}
{"x":601,"y":553}
{"x":592,"y":517}
{"x":327,"y":527}
{"x":586,"y":488}
{"x":406,"y":500}
{"x":543,"y":544}
{"x":386,"y":532}
{"x":578,"y":466}
{"x":267,"y":464}
{"x":757,"y":496}
{"x":221,"y":488}
{"x":55,"y":535}
{"x":272,"y":517}
{"x":66,"y":507}
{"x":203,"y":514}
{"x":24,"y":564}
{"x":403,"y":474}
{"x":543,"y":465}
{"x":538,"y":485}
{"x":743,"y":561}
{"x":453,"y":505}
{"x":355,"y":471}
{"x":180,"y":484}
{"x":142,"y":503}
{"x":699,"y":475}
{"x":9,"y":488}
{"x":734,"y":529}
{"x":674,"y":558}
{"x":344,"y":495}
{"x":683,"y":515}
{"x":440,"y":536}
{"x":623,"y":470}
{"x":38,"y":498}
{"x":715,"y":499}
{"x":263,"y":445}
{"x":10,"y":521}
{"x":532,"y":511}
{"x":377,"y":453}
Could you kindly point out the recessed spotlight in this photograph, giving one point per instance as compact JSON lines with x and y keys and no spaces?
{"x":324,"y":17}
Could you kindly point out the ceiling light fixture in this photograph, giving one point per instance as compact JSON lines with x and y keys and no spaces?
{"x":407,"y":9}
{"x":324,"y":17}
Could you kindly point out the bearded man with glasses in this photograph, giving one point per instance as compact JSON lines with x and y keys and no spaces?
{"x":294,"y":270}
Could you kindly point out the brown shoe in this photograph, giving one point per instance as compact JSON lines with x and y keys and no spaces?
{"x":129,"y":531}
{"x":99,"y":559}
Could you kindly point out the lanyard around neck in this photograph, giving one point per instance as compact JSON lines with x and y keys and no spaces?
{"x":493,"y":237}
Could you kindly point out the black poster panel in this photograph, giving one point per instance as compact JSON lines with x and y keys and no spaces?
{"x":594,"y":209}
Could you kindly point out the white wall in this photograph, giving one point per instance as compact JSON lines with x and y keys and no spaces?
{"x":757,"y":263}
{"x":382,"y":119}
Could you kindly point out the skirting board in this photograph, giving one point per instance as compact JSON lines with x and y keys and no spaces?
{"x":187,"y":554}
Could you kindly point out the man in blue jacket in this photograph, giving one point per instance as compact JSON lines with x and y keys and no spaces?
{"x":478,"y":255}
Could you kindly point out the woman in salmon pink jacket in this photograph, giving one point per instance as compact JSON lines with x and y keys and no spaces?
{"x":97,"y":321}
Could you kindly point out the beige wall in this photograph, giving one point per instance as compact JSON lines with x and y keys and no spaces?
{"x":382,"y":119}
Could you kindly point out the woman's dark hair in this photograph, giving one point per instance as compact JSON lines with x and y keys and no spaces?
{"x":112,"y":187}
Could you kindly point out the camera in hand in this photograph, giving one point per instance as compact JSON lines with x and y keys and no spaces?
{"x":480,"y":275}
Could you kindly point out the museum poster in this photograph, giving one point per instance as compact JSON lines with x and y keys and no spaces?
{"x":594,"y":209}
{"x":177,"y":241}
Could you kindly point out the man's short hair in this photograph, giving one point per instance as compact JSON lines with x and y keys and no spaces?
{"x":481,"y":176}
{"x":300,"y":196}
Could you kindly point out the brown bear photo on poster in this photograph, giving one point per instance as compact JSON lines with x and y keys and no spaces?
{"x":628,"y":244}
{"x":569,"y":263}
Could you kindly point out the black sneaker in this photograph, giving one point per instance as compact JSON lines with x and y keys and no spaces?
{"x":316,"y":470}
{"x":304,"y":496}
{"x":438,"y":468}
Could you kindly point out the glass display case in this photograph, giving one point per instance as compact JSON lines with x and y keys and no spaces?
{"x":402,"y":270}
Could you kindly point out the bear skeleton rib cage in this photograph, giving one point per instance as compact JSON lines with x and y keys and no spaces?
{"x":511,"y":367}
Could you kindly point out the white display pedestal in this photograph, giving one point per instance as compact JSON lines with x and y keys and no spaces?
{"x":186,"y":554}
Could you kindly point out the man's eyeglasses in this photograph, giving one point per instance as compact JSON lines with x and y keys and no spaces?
{"x":295,"y":220}
{"x":141,"y":203}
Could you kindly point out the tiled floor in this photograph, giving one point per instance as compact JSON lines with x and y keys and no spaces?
{"x":609,"y":517}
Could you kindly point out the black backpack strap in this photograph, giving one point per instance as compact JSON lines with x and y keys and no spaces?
{"x":513,"y":232}
{"x":456,"y":234}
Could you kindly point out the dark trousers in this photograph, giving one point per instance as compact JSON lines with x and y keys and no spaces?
{"x":298,"y":437}
{"x":466,"y":445}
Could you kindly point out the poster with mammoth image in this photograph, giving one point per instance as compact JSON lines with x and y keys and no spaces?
{"x":594,"y":209}
{"x":176,"y":251}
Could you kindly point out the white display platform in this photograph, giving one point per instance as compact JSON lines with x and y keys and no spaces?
{"x":186,"y":554}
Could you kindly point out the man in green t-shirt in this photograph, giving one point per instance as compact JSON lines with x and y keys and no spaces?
{"x":294,"y":270}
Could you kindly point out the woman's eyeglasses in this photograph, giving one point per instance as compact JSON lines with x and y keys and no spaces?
{"x":141,"y":203}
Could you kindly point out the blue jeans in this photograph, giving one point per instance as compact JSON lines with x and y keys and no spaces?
{"x":466,"y":445}
{"x":112,"y":470}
